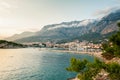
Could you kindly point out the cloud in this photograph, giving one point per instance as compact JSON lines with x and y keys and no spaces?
{"x":105,"y":11}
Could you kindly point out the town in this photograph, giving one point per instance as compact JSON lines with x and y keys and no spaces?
{"x":83,"y":46}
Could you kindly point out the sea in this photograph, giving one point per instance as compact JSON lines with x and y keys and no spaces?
{"x":37,"y":64}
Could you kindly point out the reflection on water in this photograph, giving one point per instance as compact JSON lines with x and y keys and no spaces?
{"x":35,"y":64}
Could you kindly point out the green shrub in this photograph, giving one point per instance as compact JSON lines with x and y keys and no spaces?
{"x":87,"y":70}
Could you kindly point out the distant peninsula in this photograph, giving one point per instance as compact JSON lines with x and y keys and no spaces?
{"x":8,"y":45}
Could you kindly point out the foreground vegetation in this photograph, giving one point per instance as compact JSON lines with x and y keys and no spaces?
{"x":112,"y":47}
{"x":90,"y":70}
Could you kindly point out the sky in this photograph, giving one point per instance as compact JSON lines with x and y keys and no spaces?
{"x":17,"y":16}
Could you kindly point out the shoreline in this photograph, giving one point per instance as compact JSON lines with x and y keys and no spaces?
{"x":95,"y":54}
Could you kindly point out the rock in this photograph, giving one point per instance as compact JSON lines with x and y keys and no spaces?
{"x":103,"y":75}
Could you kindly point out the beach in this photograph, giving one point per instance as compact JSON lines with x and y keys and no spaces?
{"x":95,"y":54}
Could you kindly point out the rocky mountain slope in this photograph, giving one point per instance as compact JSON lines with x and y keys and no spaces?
{"x":108,"y":23}
{"x":62,"y":31}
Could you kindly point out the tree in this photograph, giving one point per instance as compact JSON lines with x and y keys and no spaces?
{"x":112,"y":48}
{"x":77,"y":65}
{"x":114,"y":71}
{"x":88,"y":70}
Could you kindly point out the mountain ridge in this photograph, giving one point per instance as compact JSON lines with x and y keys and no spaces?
{"x":73,"y":29}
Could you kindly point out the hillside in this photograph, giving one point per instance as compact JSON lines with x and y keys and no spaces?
{"x":6,"y":44}
{"x":20,"y":36}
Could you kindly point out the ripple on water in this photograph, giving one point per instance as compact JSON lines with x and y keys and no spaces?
{"x":32,"y":64}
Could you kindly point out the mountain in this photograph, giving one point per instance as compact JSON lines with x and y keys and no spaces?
{"x":62,"y":31}
{"x":108,"y":23}
{"x":67,"y":31}
{"x":20,"y":36}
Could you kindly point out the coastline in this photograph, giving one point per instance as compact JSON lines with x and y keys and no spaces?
{"x":95,"y":54}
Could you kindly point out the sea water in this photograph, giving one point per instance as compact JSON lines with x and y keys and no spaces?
{"x":36,"y":64}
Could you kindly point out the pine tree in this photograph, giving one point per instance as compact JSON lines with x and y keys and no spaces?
{"x":112,"y":48}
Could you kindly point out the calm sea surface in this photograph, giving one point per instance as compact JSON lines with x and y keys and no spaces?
{"x":36,"y":64}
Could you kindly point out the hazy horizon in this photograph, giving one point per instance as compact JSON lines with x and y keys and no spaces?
{"x":17,"y":16}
